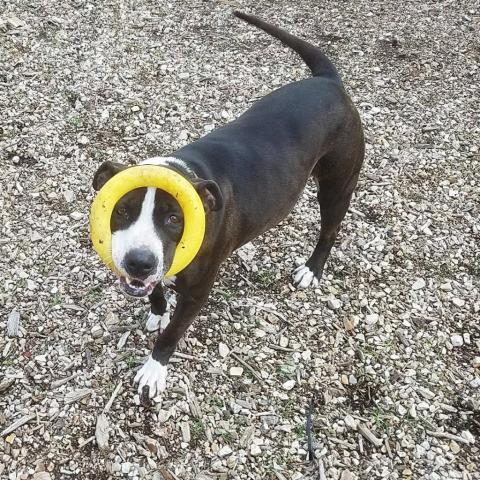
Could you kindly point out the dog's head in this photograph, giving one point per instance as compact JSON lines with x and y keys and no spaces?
{"x":146,"y":225}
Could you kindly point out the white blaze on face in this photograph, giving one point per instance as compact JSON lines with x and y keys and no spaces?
{"x":140,"y":234}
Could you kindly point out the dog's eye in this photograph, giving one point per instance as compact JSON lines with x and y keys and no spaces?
{"x":174,"y":219}
{"x":122,"y":212}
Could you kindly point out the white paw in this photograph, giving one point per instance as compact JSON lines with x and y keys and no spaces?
{"x":303,"y":277}
{"x":155,"y":322}
{"x":152,"y":375}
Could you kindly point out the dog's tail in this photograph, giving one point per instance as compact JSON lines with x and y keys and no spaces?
{"x":315,"y":59}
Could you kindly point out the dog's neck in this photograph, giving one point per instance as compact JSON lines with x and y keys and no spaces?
{"x":171,"y":162}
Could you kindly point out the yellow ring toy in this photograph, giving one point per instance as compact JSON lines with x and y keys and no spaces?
{"x":149,"y":176}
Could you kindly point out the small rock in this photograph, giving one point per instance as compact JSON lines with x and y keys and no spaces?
{"x":255,"y":450}
{"x":111,"y":319}
{"x":350,"y":422}
{"x":348,"y":324}
{"x":259,"y":333}
{"x":347,"y":475}
{"x":225,"y":451}
{"x":475,"y":383}
{"x":135,"y":108}
{"x":457,"y":340}
{"x":468,"y":436}
{"x":401,"y":410}
{"x":102,"y":432}
{"x":454,"y":447}
{"x":344,"y":379}
{"x":476,"y":362}
{"x":223,"y":350}
{"x":236,"y":371}
{"x":371,"y":319}
{"x":13,"y":324}
{"x":458,"y":302}
{"x":288,"y":385}
{"x":96,"y":331}
{"x":83,"y":140}
{"x":69,"y":196}
{"x":35,"y":237}
{"x":185,"y":428}
{"x":76,"y":215}
{"x":14,"y":22}
{"x":334,"y":303}
{"x":41,"y":476}
{"x":126,"y":467}
{"x":283,"y":341}
{"x":418,"y":284}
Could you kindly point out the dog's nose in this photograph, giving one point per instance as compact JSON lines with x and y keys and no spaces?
{"x":140,"y":263}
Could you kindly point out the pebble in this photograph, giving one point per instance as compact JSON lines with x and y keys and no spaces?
{"x":223,"y":350}
{"x":77,"y":215}
{"x":41,"y":476}
{"x":457,"y":340}
{"x":225,"y":451}
{"x":334,"y":303}
{"x":83,"y":140}
{"x":419,"y":284}
{"x":468,"y":436}
{"x":96,"y":331}
{"x":454,"y":447}
{"x":255,"y":450}
{"x":236,"y":371}
{"x":476,"y":362}
{"x":35,"y":237}
{"x":350,"y":422}
{"x":13,"y":324}
{"x":69,"y":196}
{"x":288,"y":385}
{"x":126,"y":467}
{"x":458,"y":302}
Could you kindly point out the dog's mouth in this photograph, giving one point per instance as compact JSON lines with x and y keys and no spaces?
{"x":136,"y":288}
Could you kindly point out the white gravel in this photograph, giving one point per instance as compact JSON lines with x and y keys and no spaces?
{"x":388,"y":344}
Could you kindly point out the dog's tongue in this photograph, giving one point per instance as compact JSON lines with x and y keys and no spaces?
{"x":136,"y":288}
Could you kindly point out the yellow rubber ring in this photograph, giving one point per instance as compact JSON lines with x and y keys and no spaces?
{"x":149,"y":176}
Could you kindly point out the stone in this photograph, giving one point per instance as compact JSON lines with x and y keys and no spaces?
{"x":350,"y":422}
{"x":454,"y":447}
{"x":236,"y":371}
{"x":223,"y":350}
{"x":334,"y":303}
{"x":288,"y":385}
{"x":225,"y":451}
{"x":255,"y":450}
{"x":457,"y":340}
{"x":418,"y":284}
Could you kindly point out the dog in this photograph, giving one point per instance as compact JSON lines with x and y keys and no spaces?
{"x":249,"y":174}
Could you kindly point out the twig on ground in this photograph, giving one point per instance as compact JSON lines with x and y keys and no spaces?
{"x":112,"y":398}
{"x":19,"y":423}
{"x":247,"y":366}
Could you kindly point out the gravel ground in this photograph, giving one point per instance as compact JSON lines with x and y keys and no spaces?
{"x":386,"y":350}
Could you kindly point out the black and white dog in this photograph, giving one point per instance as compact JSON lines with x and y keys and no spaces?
{"x":249,"y":174}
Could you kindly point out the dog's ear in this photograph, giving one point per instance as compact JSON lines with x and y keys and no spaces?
{"x":210,"y":194}
{"x":105,"y":172}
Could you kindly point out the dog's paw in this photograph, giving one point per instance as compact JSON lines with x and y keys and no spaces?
{"x":157,"y":322}
{"x":152,"y":375}
{"x":303,"y":277}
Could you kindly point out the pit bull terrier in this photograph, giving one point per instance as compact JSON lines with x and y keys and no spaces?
{"x":249,"y":173}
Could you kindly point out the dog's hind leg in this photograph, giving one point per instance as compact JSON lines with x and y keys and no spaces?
{"x":335,"y":188}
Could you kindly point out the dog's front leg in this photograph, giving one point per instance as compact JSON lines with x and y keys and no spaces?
{"x":153,"y":374}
